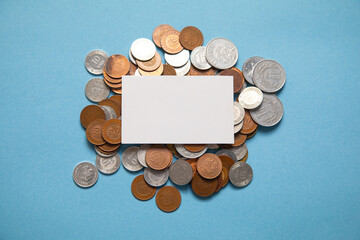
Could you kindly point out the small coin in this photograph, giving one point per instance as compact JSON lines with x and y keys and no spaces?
{"x":196,"y":72}
{"x":85,"y":174}
{"x":143,"y":49}
{"x":158,"y":33}
{"x":192,"y":163}
{"x":157,"y":72}
{"x":150,"y":65}
{"x":203,"y":187}
{"x":191,"y":37}
{"x":96,"y":90}
{"x":238,"y":78}
{"x":226,"y":161}
{"x":240,"y":174}
{"x":168,"y":70}
{"x":238,"y":127}
{"x":141,"y":190}
{"x":198,"y":58}
{"x":270,"y":112}
{"x":94,"y":61}
{"x":91,"y":113}
{"x":181,"y":172}
{"x":141,"y":154}
{"x":209,"y":166}
{"x":248,"y":68}
{"x":158,"y":157}
{"x":111,"y":131}
{"x":239,"y":113}
{"x":168,"y":199}
{"x":227,"y":152}
{"x":221,"y":53}
{"x":172,"y":148}
{"x":130,"y":160}
{"x":178,"y":59}
{"x":170,"y":42}
{"x":185,"y":153}
{"x":269,"y":76}
{"x":250,"y":97}
{"x":156,"y":178}
{"x":94,"y":132}
{"x":117,"y":65}
{"x":248,"y":124}
{"x":182,"y":71}
{"x":239,"y":151}
{"x":108,"y":165}
{"x":194,"y":147}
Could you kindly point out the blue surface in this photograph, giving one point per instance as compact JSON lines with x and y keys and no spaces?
{"x":306,"y":170}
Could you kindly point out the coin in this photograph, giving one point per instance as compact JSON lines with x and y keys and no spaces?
{"x":225,"y":176}
{"x":141,"y":190}
{"x":194,"y":147}
{"x":191,"y":37}
{"x":239,"y":139}
{"x":239,"y":113}
{"x":157,"y":72}
{"x":150,"y":65}
{"x":85,"y":175}
{"x":196,"y":72}
{"x":227,"y":152}
{"x":198,"y":58}
{"x":130,"y":160}
{"x":111,"y":103}
{"x":240,"y":174}
{"x":96,"y":90}
{"x":219,"y":181}
{"x":168,"y":70}
{"x":93,"y":132}
{"x":238,"y":78}
{"x":192,"y":163}
{"x":239,"y":151}
{"x":170,"y":42}
{"x":182,"y":71}
{"x":248,"y":68}
{"x":179,"y":59}
{"x":172,"y":148}
{"x":250,"y":135}
{"x":117,"y":90}
{"x":248,"y":124}
{"x":132,"y":59}
{"x":269,"y":76}
{"x":116,"y":98}
{"x":111,"y":131}
{"x":203,"y":187}
{"x":117,"y":65}
{"x":110,"y":81}
{"x":132,"y":69}
{"x":94,"y":61}
{"x":226,"y":161}
{"x":109,"y":112}
{"x":185,"y":153}
{"x":159,"y":31}
{"x":180,"y":172}
{"x":141,"y":154}
{"x":108,"y":165}
{"x":270,"y":112}
{"x":213,"y":146}
{"x":158,"y":157}
{"x":245,"y":157}
{"x":250,"y":97}
{"x":107,"y":147}
{"x":91,"y":113}
{"x":156,"y":178}
{"x":238,"y":127}
{"x":143,"y":49}
{"x":221,"y":53}
{"x":168,"y":199}
{"x":102,"y":153}
{"x":209,"y":166}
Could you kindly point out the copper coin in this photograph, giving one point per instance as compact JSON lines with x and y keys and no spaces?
{"x":172,"y":148}
{"x":111,"y":103}
{"x":111,"y":131}
{"x":168,"y":199}
{"x":110,"y":79}
{"x":238,"y":78}
{"x":117,"y":90}
{"x":196,"y":72}
{"x":209,"y":166}
{"x":113,"y":85}
{"x":203,"y":187}
{"x":226,"y":161}
{"x":219,"y":180}
{"x":192,"y":162}
{"x":117,"y":65}
{"x":108,"y":147}
{"x":158,"y":157}
{"x":191,"y":37}
{"x":170,"y":42}
{"x":157,"y":72}
{"x":159,"y":31}
{"x":168,"y":70}
{"x":248,"y":124}
{"x":194,"y":147}
{"x":250,"y":135}
{"x":150,"y":65}
{"x":105,"y":152}
{"x":132,"y":69}
{"x":225,"y":176}
{"x":116,"y":98}
{"x":141,"y":190}
{"x":94,"y":132}
{"x":239,"y":139}
{"x":91,"y":113}
{"x":245,"y":157}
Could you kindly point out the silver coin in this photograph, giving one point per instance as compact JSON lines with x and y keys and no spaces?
{"x":182,"y":71}
{"x":270,"y":112}
{"x":96,"y":90}
{"x":108,"y":165}
{"x":250,"y":97}
{"x":109,"y":112}
{"x":180,"y":172}
{"x":269,"y":76}
{"x":94,"y":61}
{"x":185,"y":153}
{"x":221,"y":53}
{"x":143,"y":49}
{"x":102,"y":154}
{"x":240,"y":174}
{"x":239,"y":151}
{"x":178,"y":59}
{"x":198,"y":58}
{"x":141,"y":154}
{"x":85,"y":174}
{"x":213,"y":146}
{"x":227,"y":152}
{"x":156,"y":178}
{"x":239,"y":113}
{"x":238,"y":127}
{"x":132,"y":59}
{"x":248,"y":68}
{"x":130,"y":159}
{"x":137,"y":73}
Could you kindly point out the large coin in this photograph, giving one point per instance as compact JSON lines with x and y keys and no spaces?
{"x":248,"y":68}
{"x":269,"y":76}
{"x":108,"y":165}
{"x":156,"y":178}
{"x":198,"y":58}
{"x":130,"y":159}
{"x":221,"y":53}
{"x":240,"y":174}
{"x":85,"y":174}
{"x":94,"y":61}
{"x":270,"y":112}
{"x":96,"y":90}
{"x":185,"y":153}
{"x":250,"y":98}
{"x":181,"y":172}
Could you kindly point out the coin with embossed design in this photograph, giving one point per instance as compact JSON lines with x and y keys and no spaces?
{"x":248,"y":68}
{"x":240,"y":174}
{"x":198,"y":58}
{"x":180,"y":172}
{"x":221,"y":53}
{"x":141,"y":190}
{"x":209,"y":166}
{"x":156,"y":178}
{"x":270,"y":112}
{"x":203,"y":187}
{"x":85,"y":174}
{"x":168,"y":199}
{"x":108,"y":165}
{"x":130,"y":159}
{"x":96,"y":90}
{"x":95,"y":60}
{"x":269,"y":76}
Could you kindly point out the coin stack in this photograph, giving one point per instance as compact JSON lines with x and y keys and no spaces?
{"x":205,"y":167}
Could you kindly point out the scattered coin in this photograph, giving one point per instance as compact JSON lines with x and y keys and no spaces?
{"x":198,"y":58}
{"x":191,"y":37}
{"x":117,"y":65}
{"x":240,"y":174}
{"x":158,"y":157}
{"x":182,"y":71}
{"x":269,"y":76}
{"x":194,"y":147}
{"x":143,"y":49}
{"x":111,"y":131}
{"x":141,"y":190}
{"x":130,"y":160}
{"x":238,"y":78}
{"x":270,"y":112}
{"x":239,"y":113}
{"x":238,"y":127}
{"x":248,"y":68}
{"x":156,"y":178}
{"x":244,"y":158}
{"x":132,"y":59}
{"x":221,"y":53}
{"x":226,"y":161}
{"x":209,"y":166}
{"x":113,"y":104}
{"x":250,"y":135}
{"x":94,"y":132}
{"x":91,"y":113}
{"x":157,"y":72}
{"x":239,"y":139}
{"x":158,"y":33}
{"x":239,"y":151}
{"x":168,"y":70}
{"x":94,"y":61}
{"x":185,"y":153}
{"x":96,"y":90}
{"x":168,"y":199}
{"x":85,"y":175}
{"x":150,"y":65}
{"x":180,"y":172}
{"x":248,"y":124}
{"x":250,"y":97}
{"x":192,"y":163}
{"x":108,"y":165}
{"x":227,"y":152}
{"x":141,"y":154}
{"x":203,"y":187}
{"x":178,"y":59}
{"x":170,"y":42}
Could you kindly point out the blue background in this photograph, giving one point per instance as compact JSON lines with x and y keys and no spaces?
{"x":306,"y":170}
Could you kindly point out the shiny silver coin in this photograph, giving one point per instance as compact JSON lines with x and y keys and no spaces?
{"x":213,"y":146}
{"x":250,"y":98}
{"x":108,"y":165}
{"x":132,"y":59}
{"x":141,"y":154}
{"x":180,"y":172}
{"x":109,"y":112}
{"x":269,"y":113}
{"x":137,"y":73}
{"x":238,"y":127}
{"x":96,"y":90}
{"x":85,"y":174}
{"x":198,"y":58}
{"x":143,"y":49}
{"x":240,"y":174}
{"x":102,"y":154}
{"x":156,"y":178}
{"x":221,"y":53}
{"x":178,"y":59}
{"x":185,"y":153}
{"x":226,"y":152}
{"x":182,"y":71}
{"x":248,"y":68}
{"x":130,"y":159}
{"x":239,"y":151}
{"x":269,"y":76}
{"x":239,"y":113}
{"x":94,"y":61}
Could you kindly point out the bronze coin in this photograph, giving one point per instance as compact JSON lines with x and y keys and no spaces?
{"x":168,"y":199}
{"x":111,"y":80}
{"x":157,"y":72}
{"x":159,"y":31}
{"x":194,"y":147}
{"x":117,"y":65}
{"x":116,"y":98}
{"x":170,"y":42}
{"x":111,"y":131}
{"x":168,"y":70}
{"x":108,"y":147}
{"x":238,"y":78}
{"x":245,"y":157}
{"x":239,"y":139}
{"x":150,"y":65}
{"x":225,"y":176}
{"x":192,"y":162}
{"x":226,"y":161}
{"x":113,"y":85}
{"x":91,"y":113}
{"x":132,"y":69}
{"x":105,"y":152}
{"x":111,"y":103}
{"x":191,"y":37}
{"x":158,"y":157}
{"x":172,"y":148}
{"x":219,"y":180}
{"x":117,"y":90}
{"x":248,"y":124}
{"x":203,"y":187}
{"x":209,"y":166}
{"x":250,"y":135}
{"x":94,"y":132}
{"x":141,"y":190}
{"x":197,"y":72}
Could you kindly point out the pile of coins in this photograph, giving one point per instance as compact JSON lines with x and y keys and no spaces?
{"x":205,"y":167}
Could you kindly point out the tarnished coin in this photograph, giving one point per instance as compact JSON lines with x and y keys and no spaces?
{"x":221,"y":53}
{"x":170,"y":42}
{"x":96,"y":90}
{"x":248,"y":68}
{"x":238,"y":127}
{"x":226,"y":161}
{"x":158,"y":157}
{"x":94,"y":61}
{"x":269,"y":113}
{"x":141,"y":190}
{"x":94,"y":132}
{"x":203,"y":187}
{"x":141,"y":154}
{"x":191,"y":37}
{"x":117,"y":66}
{"x":158,"y":33}
{"x":108,"y":165}
{"x":168,"y":199}
{"x":185,"y":153}
{"x":156,"y":178}
{"x":209,"y":166}
{"x":91,"y":113}
{"x":143,"y":49}
{"x":240,"y":174}
{"x":181,"y":172}
{"x":227,"y":152}
{"x":150,"y":65}
{"x":182,"y":71}
{"x":168,"y":70}
{"x":111,"y":131}
{"x":130,"y":160}
{"x":85,"y":175}
{"x":178,"y":59}
{"x":248,"y":124}
{"x":239,"y":151}
{"x":239,"y":113}
{"x":237,"y":76}
{"x":250,"y":97}
{"x":269,"y":76}
{"x":198,"y":58}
